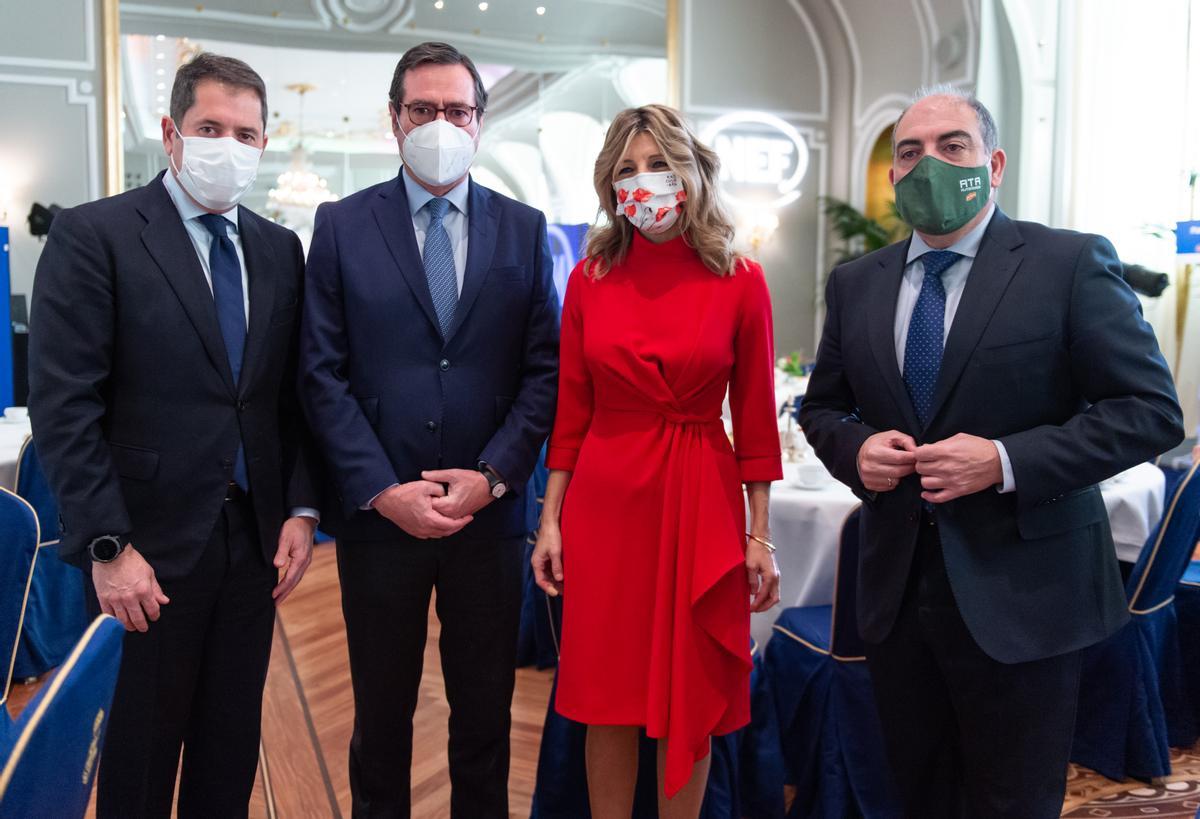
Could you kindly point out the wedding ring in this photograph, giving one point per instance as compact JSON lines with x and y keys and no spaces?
{"x":891,"y":482}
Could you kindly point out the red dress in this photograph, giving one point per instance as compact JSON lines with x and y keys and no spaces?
{"x":656,"y":605}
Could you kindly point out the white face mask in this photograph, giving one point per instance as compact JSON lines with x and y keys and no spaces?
{"x":651,"y":201}
{"x":437,"y":152}
{"x":216,"y":172}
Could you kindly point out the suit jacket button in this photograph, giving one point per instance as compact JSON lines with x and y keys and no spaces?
{"x":444,"y":365}
{"x":431,"y":426}
{"x":241,"y":405}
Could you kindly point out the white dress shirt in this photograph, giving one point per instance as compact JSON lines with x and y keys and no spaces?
{"x":190,"y":213}
{"x":455,"y":220}
{"x":954,"y":280}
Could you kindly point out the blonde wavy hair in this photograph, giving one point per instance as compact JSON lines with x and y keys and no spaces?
{"x":704,"y":220}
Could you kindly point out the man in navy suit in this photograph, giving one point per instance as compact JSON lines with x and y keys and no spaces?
{"x":972,"y":386}
{"x":162,"y":365}
{"x":429,"y":361}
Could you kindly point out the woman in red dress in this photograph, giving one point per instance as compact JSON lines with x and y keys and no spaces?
{"x":643,"y":528}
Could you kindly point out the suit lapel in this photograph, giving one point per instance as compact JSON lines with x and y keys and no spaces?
{"x":396,"y":224}
{"x":991,"y":272}
{"x":882,"y":323}
{"x":262,"y":271}
{"x":482,"y":219}
{"x":168,"y":243}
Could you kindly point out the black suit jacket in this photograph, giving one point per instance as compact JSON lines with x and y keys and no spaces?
{"x":1049,"y":354}
{"x":386,"y":395}
{"x":135,"y":414}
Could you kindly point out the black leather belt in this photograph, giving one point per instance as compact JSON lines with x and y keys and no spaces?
{"x":233,"y":492}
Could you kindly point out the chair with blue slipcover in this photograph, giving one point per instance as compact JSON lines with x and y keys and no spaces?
{"x":816,"y":726}
{"x":1133,"y":681}
{"x":48,"y":762}
{"x":18,"y":558}
{"x":56,"y":615}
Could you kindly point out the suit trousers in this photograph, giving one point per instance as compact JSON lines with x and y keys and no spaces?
{"x":194,"y":681}
{"x":967,"y":735}
{"x":386,"y":588}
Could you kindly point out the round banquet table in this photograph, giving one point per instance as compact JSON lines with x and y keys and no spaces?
{"x":806,"y":524}
{"x":12,"y":436}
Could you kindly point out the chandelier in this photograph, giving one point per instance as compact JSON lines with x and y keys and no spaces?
{"x":299,"y":189}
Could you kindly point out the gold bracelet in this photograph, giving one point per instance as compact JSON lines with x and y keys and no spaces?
{"x":770,"y":546}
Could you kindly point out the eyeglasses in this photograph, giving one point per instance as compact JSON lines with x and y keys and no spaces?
{"x":421,"y":113}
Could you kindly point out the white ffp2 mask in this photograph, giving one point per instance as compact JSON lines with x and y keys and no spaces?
{"x":437,"y":152}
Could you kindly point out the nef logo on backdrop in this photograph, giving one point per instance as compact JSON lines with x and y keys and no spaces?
{"x":763,"y":158}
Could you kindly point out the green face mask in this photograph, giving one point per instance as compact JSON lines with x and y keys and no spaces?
{"x":938,"y":198}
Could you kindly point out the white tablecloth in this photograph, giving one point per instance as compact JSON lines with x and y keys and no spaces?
{"x":806,"y":524}
{"x":12,"y":435}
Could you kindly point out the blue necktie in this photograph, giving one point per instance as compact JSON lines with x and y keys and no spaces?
{"x":926,"y":333}
{"x":438,"y":257}
{"x":226,"y":271}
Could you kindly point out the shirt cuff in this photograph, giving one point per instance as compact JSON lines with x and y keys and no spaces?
{"x":305,"y":512}
{"x":371,"y":503}
{"x":1010,"y":483}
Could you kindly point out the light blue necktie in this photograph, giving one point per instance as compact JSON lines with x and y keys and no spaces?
{"x":438,"y":257}
{"x":226,"y":271}
{"x":926,"y":333}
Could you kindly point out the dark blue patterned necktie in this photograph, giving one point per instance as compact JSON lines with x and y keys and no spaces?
{"x":226,"y":271}
{"x":438,"y":257}
{"x":926,"y":333}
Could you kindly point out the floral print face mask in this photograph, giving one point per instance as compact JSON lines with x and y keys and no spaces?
{"x":652,"y":202}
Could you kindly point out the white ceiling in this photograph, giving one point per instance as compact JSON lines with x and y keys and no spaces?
{"x":509,"y":32}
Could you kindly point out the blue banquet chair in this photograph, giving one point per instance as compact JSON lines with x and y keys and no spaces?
{"x":1129,"y":681}
{"x":56,"y":615}
{"x":817,"y":714}
{"x":49,"y":760}
{"x":1183,"y":720}
{"x":561,"y":788}
{"x":18,"y":558}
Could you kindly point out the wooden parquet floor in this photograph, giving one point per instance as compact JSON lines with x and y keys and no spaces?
{"x":308,"y":715}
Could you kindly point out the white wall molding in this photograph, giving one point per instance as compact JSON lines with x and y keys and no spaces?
{"x":88,"y":63}
{"x":74,"y":97}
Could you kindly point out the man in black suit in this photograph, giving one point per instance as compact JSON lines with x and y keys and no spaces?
{"x":162,"y":393}
{"x":429,"y":363}
{"x":972,"y":386}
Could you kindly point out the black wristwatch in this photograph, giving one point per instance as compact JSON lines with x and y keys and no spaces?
{"x":106,"y":548}
{"x":496,"y":484}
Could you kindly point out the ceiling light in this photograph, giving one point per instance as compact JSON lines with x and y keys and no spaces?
{"x":161,"y":110}
{"x":160,"y":98}
{"x":161,"y":86}
{"x":483,"y":6}
{"x":439,"y":5}
{"x":160,"y":37}
{"x":160,"y":71}
{"x":541,"y":9}
{"x":160,"y":56}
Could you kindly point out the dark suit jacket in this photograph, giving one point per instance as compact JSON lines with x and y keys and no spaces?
{"x":135,"y":414}
{"x":385,"y":395}
{"x":1049,"y":354}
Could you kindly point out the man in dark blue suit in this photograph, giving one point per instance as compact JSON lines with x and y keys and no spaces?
{"x":429,"y":361}
{"x":162,"y":389}
{"x":972,"y":386}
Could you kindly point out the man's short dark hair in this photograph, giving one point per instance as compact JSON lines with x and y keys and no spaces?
{"x":225,"y":70}
{"x":435,"y":54}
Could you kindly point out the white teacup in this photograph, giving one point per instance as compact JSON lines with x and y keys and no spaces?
{"x":16,"y":413}
{"x":811,"y":474}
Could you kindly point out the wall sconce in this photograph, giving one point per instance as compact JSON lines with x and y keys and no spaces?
{"x":756,"y":225}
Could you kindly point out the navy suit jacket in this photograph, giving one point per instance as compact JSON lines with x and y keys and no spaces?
{"x":135,"y":413}
{"x":1049,"y":354}
{"x":386,"y":395}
